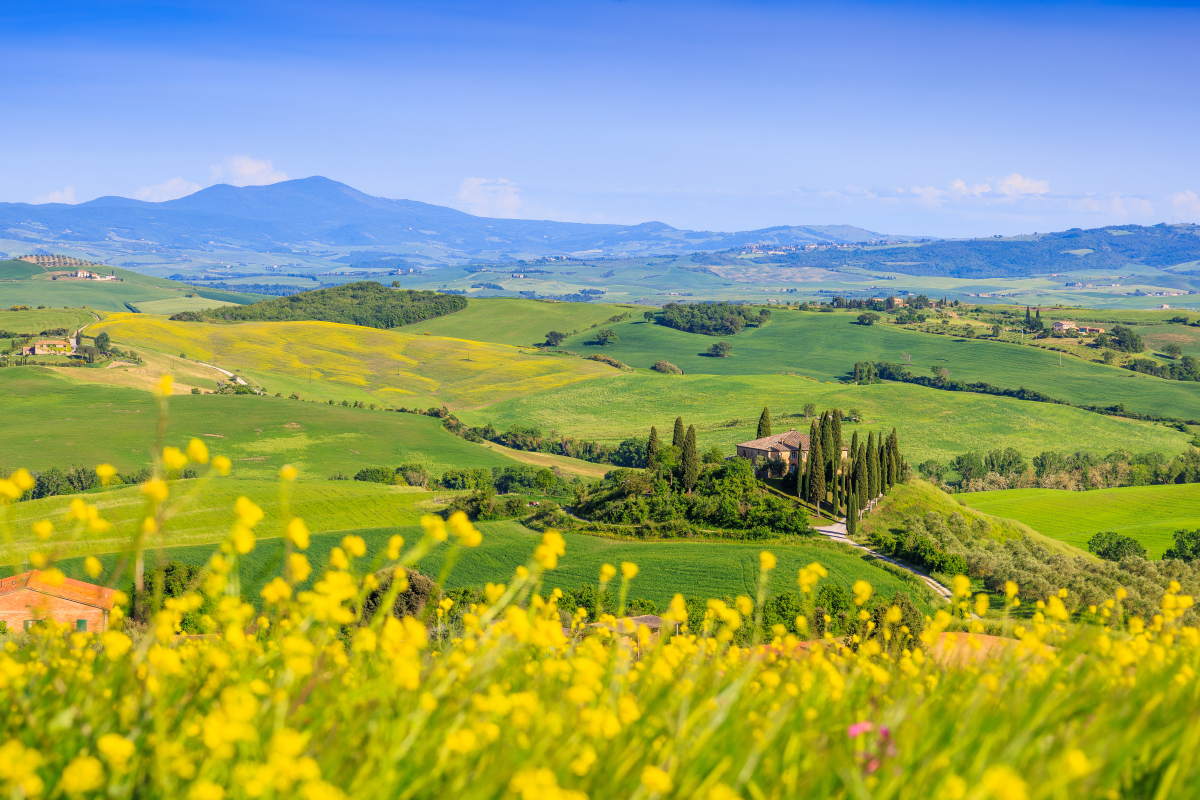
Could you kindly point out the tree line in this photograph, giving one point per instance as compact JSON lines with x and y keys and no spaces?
{"x":980,"y":471}
{"x":364,"y":303}
{"x":712,"y":319}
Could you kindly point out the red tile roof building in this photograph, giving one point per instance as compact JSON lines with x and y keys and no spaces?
{"x":31,"y":597}
{"x":791,"y":446}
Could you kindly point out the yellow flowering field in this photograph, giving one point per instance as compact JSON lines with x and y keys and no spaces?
{"x":308,"y":694}
{"x":327,"y":360}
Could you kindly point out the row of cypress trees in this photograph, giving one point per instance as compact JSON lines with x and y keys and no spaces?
{"x":689,"y":455}
{"x":853,"y":481}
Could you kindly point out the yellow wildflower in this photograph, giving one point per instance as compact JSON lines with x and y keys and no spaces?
{"x":173,"y":458}
{"x":155,"y":489}
{"x":297,"y":533}
{"x":862,"y":592}
{"x":355,"y":546}
{"x":105,"y":472}
{"x":206,"y":790}
{"x":655,"y":779}
{"x":116,"y":749}
{"x":393,"y":549}
{"x":337,"y":559}
{"x":93,"y":567}
{"x":277,"y":590}
{"x":197,"y":452}
{"x":222,"y":465}
{"x":607,"y":573}
{"x":84,"y":774}
{"x":766,"y":561}
{"x":288,"y":473}
{"x":435,"y":527}
{"x":298,"y":567}
{"x":467,"y":535}
{"x":1003,"y":783}
{"x":166,"y":386}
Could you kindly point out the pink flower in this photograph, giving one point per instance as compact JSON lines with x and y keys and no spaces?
{"x":859,"y":728}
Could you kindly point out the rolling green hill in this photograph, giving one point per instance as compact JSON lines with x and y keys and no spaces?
{"x":508,"y":320}
{"x":701,"y":569}
{"x":22,"y":283}
{"x":1150,"y":514}
{"x":725,"y":409}
{"x":63,"y":423}
{"x":36,"y":320}
{"x":826,"y":346}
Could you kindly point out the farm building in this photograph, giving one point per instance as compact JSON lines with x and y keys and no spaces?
{"x":33,"y":596}
{"x":1062,"y":326}
{"x":48,"y":347}
{"x":791,"y":446}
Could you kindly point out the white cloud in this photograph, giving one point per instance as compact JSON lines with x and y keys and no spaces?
{"x":67,"y":195}
{"x":1016,"y":185}
{"x":167,"y":190}
{"x":959,"y":188}
{"x":490,"y":198}
{"x":929,"y":194}
{"x":242,"y":170}
{"x":1186,"y":205}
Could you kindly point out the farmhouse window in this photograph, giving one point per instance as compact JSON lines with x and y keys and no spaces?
{"x":81,"y":625}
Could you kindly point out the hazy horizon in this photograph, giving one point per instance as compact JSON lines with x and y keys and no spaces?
{"x":927,"y":119}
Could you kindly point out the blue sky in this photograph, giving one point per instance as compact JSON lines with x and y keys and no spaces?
{"x":950,"y":119}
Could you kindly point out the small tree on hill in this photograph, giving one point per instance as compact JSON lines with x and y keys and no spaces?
{"x":764,"y":423}
{"x":652,"y":447}
{"x":677,"y":435}
{"x":606,"y":336}
{"x":810,"y":409}
{"x":691,"y":459}
{"x":721,"y":350}
{"x":555,"y":338}
{"x":649,"y":315}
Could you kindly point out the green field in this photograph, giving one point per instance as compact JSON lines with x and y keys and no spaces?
{"x":15,"y":270}
{"x":36,"y":320}
{"x":134,"y":289}
{"x":55,"y":421}
{"x":725,"y":409}
{"x":1150,"y":514}
{"x":208,"y":518}
{"x":516,"y":321}
{"x":692,"y":568}
{"x":826,"y":347}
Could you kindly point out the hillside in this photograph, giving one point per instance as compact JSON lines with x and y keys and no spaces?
{"x":364,"y":303}
{"x":1040,"y":254}
{"x":1150,"y":514}
{"x":65,"y":423}
{"x":328,"y":361}
{"x":511,"y":320}
{"x":316,"y":209}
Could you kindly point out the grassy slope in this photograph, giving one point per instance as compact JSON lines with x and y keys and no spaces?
{"x":1150,"y":514}
{"x":826,"y":346}
{"x":691,"y":568}
{"x":16,"y":270}
{"x":324,"y":506}
{"x":350,"y":362}
{"x":516,"y":321}
{"x":37,"y":320}
{"x":931,"y":423}
{"x":111,"y":296}
{"x":64,"y":423}
{"x":919,"y":497}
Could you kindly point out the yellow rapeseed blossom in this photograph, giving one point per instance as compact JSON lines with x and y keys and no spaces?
{"x":155,"y":489}
{"x":434,"y":527}
{"x":277,"y":590}
{"x":629,"y":570}
{"x":298,"y":568}
{"x":222,"y":465}
{"x":656,"y":780}
{"x":106,"y":472}
{"x":766,"y":561}
{"x":552,"y":546}
{"x":354,"y":545}
{"x":810,"y":575}
{"x":1003,"y":783}
{"x":18,"y":769}
{"x":166,"y":386}
{"x":93,"y":567}
{"x":197,"y":451}
{"x":116,"y":749}
{"x":297,"y":533}
{"x":43,"y":529}
{"x":395,"y":543}
{"x":288,"y":473}
{"x":607,"y":572}
{"x":862,"y":592}
{"x":84,"y":774}
{"x":337,"y":559}
{"x":173,"y":458}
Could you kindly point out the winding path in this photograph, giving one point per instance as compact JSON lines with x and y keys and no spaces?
{"x":837,"y":532}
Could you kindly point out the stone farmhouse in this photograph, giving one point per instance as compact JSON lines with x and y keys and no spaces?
{"x":1062,"y":326}
{"x":48,"y":347}
{"x":31,"y":597}
{"x":791,"y":447}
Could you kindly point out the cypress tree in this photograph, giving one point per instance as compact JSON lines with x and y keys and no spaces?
{"x":816,"y":484}
{"x":897,"y":462}
{"x":691,"y":460}
{"x":852,"y":469}
{"x":677,"y":437}
{"x":799,"y":481}
{"x":764,"y":424}
{"x":836,"y":424}
{"x":872,"y":468}
{"x":860,"y":469}
{"x":857,"y":372}
{"x":652,"y":447}
{"x":883,"y":466}
{"x":852,"y":516}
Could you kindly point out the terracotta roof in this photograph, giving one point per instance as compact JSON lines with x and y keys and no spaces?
{"x":89,"y":594}
{"x":792,"y":440}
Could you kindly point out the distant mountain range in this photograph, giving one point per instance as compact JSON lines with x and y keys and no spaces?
{"x":301,"y":215}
